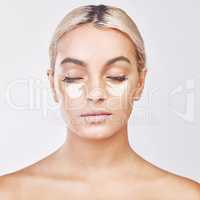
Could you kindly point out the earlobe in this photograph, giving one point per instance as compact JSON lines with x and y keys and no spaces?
{"x":55,"y":97}
{"x":136,"y":98}
{"x":50,"y":72}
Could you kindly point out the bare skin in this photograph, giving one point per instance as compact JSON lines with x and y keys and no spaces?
{"x":133,"y":179}
{"x":96,"y":162}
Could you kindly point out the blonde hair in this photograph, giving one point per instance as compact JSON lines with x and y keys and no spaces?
{"x":101,"y":16}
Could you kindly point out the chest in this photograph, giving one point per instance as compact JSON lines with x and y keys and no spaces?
{"x":80,"y":191}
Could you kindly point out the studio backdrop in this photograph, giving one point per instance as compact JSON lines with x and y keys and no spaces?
{"x":164,"y":127}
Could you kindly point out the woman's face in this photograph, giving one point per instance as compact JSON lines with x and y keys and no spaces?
{"x":95,"y":71}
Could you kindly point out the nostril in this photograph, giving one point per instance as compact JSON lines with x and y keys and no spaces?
{"x":96,"y":94}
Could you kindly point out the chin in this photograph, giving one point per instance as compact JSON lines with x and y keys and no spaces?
{"x":92,"y":129}
{"x":95,"y":130}
{"x":96,"y":133}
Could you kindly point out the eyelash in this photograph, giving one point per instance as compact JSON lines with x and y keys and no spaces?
{"x":116,"y":78}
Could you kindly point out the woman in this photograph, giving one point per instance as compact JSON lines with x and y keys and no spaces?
{"x":97,"y":70}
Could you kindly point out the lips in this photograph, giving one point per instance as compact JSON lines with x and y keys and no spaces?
{"x":100,"y":113}
{"x":96,"y":117}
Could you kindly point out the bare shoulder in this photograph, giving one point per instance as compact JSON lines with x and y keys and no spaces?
{"x":12,"y":183}
{"x":8,"y":186}
{"x":172,"y":186}
{"x":182,"y":187}
{"x":168,"y":185}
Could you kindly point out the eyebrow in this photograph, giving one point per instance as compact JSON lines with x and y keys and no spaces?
{"x":83,"y":64}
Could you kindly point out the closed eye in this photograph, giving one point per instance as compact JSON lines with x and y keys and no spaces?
{"x":118,"y":78}
{"x":71,"y":80}
{"x":115,"y":78}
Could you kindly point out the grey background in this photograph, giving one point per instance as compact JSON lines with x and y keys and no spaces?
{"x":164,"y":127}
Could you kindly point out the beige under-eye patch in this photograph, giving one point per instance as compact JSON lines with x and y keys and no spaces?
{"x":117,"y":89}
{"x":74,"y":90}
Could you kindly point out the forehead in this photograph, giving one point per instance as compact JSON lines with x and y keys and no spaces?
{"x":88,"y":42}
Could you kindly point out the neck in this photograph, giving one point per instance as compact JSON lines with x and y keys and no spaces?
{"x":89,"y":154}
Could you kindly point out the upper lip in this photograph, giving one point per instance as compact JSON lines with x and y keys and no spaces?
{"x":93,"y":113}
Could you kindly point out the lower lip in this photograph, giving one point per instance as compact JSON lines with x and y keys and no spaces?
{"x":96,"y":118}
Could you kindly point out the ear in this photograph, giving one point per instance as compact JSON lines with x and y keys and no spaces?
{"x":140,"y":85}
{"x":50,"y":74}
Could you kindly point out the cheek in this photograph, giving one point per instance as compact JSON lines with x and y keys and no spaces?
{"x":118,"y":93}
{"x":72,"y":96}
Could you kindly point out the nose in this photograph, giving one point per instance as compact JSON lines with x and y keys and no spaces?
{"x":96,"y":95}
{"x":96,"y":91}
